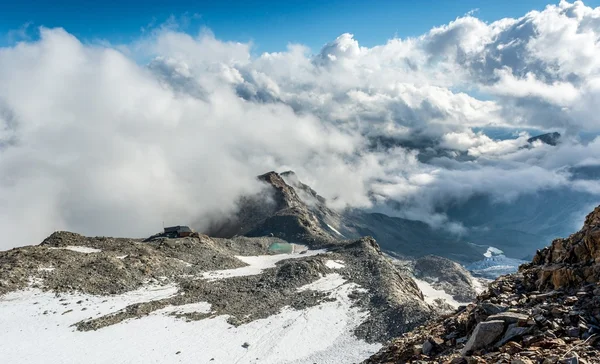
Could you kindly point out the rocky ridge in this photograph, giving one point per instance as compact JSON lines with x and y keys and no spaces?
{"x":548,"y":312}
{"x":68,"y":263}
{"x":277,"y":211}
{"x":292,"y":210}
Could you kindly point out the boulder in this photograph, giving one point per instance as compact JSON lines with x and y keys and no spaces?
{"x":485,"y":334}
{"x":427,"y":347}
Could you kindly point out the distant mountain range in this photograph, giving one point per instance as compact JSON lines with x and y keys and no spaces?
{"x":293,"y":211}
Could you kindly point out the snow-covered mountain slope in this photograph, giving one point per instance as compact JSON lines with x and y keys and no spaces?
{"x":38,"y":327}
{"x":76,"y":299}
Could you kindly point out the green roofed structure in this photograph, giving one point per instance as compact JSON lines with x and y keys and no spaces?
{"x":281,"y":248}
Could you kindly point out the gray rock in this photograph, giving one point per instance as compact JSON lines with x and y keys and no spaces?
{"x":492,"y":309}
{"x":573,"y":331}
{"x":417,"y":349}
{"x":485,"y":334}
{"x":512,"y":332}
{"x":427,"y":348}
{"x":545,"y":296}
{"x":509,"y":317}
{"x":540,"y":319}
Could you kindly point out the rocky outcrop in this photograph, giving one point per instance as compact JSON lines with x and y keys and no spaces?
{"x":548,"y":312}
{"x":574,"y":261}
{"x":67,"y":261}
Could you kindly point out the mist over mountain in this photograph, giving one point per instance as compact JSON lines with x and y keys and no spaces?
{"x":172,"y":127}
{"x":291,"y":210}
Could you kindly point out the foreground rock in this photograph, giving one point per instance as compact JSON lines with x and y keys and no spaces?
{"x":548,"y":312}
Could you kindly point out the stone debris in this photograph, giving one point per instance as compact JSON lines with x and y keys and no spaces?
{"x":547,"y":313}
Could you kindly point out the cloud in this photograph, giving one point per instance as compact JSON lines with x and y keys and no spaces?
{"x":478,"y":144}
{"x":115,"y":139}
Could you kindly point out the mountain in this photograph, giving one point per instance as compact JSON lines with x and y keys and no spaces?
{"x":203,"y":299}
{"x":548,"y":138}
{"x":520,"y":226}
{"x":288,"y":280}
{"x":292,"y":210}
{"x":279,"y":211}
{"x":547,"y":312}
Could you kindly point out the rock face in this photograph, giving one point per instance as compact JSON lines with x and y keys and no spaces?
{"x":548,"y":312}
{"x":394,"y":301}
{"x":568,"y":262}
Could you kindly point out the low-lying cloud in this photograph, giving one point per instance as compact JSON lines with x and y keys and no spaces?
{"x":95,"y":141}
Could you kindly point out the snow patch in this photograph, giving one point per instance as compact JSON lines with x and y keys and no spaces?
{"x":256,"y":265}
{"x":122,"y":256}
{"x":478,"y":284}
{"x":431,"y":294}
{"x":182,"y":262}
{"x":46,"y":269}
{"x":334,"y":230}
{"x":324,"y":284}
{"x":36,"y":328}
{"x":335,"y":264}
{"x":78,"y":249}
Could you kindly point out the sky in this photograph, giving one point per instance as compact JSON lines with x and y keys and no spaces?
{"x":269,"y":25}
{"x":110,"y":129}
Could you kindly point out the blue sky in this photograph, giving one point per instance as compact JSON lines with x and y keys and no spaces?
{"x":270,"y":25}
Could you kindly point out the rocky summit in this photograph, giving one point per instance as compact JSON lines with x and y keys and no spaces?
{"x":548,"y":312}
